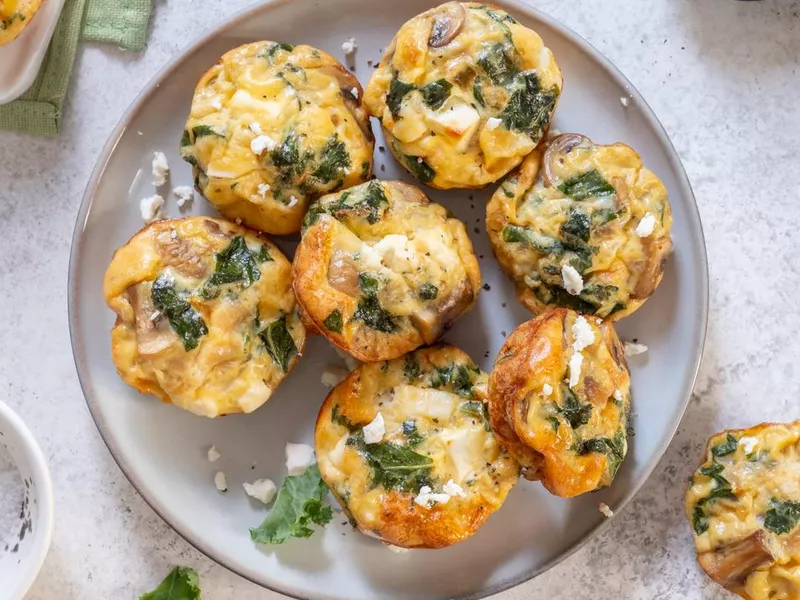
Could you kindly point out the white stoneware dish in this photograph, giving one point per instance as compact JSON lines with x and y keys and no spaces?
{"x":162,"y":450}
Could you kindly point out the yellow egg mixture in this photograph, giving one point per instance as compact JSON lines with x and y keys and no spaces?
{"x":15,"y":15}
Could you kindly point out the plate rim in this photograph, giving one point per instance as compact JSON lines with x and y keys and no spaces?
{"x":87,"y":200}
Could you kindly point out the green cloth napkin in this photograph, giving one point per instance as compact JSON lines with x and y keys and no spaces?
{"x":122,"y":22}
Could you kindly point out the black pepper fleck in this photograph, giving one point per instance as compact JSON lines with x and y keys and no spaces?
{"x":487,"y":287}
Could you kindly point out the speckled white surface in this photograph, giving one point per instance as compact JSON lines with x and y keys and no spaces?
{"x":722,"y":76}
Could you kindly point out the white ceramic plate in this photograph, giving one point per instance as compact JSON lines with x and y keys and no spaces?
{"x":162,"y":449}
{"x":20,"y":60}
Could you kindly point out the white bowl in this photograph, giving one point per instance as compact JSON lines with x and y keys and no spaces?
{"x":22,"y":560}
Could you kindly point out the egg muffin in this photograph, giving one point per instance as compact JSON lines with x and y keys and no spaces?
{"x":382,"y":270}
{"x":464,"y":92}
{"x":559,"y":401}
{"x":407,"y":449}
{"x":582,"y":226}
{"x":272,"y":127}
{"x":15,"y":15}
{"x":743,"y":505}
{"x":206,"y":317}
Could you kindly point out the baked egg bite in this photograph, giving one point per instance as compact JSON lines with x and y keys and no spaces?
{"x":464,"y":92}
{"x":15,"y":15}
{"x":407,"y":449}
{"x":273,"y":126}
{"x":559,"y":401}
{"x":382,"y":270}
{"x":583,"y":226}
{"x":743,"y":505}
{"x":206,"y":317}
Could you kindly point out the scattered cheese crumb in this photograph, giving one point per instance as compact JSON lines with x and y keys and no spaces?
{"x":624,"y":101}
{"x":646,"y":225}
{"x":349,"y":46}
{"x":493,"y":123}
{"x":255,"y":128}
{"x":184,"y":194}
{"x":262,"y":490}
{"x":632,"y":349}
{"x":575,"y":363}
{"x":160,"y":169}
{"x":618,"y":395}
{"x":173,"y":234}
{"x":263,"y":188}
{"x":599,"y":321}
{"x":333,"y":376}
{"x":298,"y":458}
{"x":354,"y":91}
{"x":292,"y":201}
{"x":603,"y":507}
{"x":154,"y":315}
{"x":748,"y":443}
{"x":427,"y":499}
{"x":573,"y":282}
{"x":150,"y":208}
{"x":396,"y":549}
{"x":139,"y":133}
{"x":221,"y":481}
{"x":583,"y":334}
{"x":213,"y":454}
{"x":451,"y":488}
{"x":547,"y":389}
{"x":261,"y":143}
{"x":374,"y":431}
{"x":217,"y":103}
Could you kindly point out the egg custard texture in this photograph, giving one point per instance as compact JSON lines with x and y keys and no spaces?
{"x":582,"y":226}
{"x":559,"y":401}
{"x":206,"y":317}
{"x":382,"y":270}
{"x":15,"y":15}
{"x":464,"y":92}
{"x":744,"y":508}
{"x":406,"y":448}
{"x":272,"y":127}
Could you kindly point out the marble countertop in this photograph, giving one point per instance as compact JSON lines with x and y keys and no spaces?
{"x":723,"y":78}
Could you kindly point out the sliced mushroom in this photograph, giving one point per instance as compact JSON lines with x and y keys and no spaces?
{"x":180,"y":254}
{"x":153,"y":333}
{"x":434,"y":320}
{"x":730,"y":565}
{"x":343,"y":273}
{"x":448,"y":21}
{"x":561,"y":144}
{"x":657,"y":250}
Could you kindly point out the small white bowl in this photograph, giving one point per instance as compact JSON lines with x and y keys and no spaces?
{"x":22,"y":560}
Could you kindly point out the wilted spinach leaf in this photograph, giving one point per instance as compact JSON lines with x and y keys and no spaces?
{"x":586,"y":185}
{"x":333,"y":322}
{"x":529,"y":108}
{"x":395,"y":467}
{"x":236,"y":263}
{"x":782,"y":516}
{"x":412,"y":435}
{"x":411,"y":367}
{"x":435,"y":93}
{"x":373,"y":315}
{"x":334,"y":159}
{"x":514,"y":234}
{"x":573,"y":411}
{"x":397,"y":91}
{"x":184,"y":320}
{"x":428,"y":291}
{"x":727,"y":447}
{"x":203,"y":130}
{"x":496,"y":62}
{"x":279,"y":343}
{"x":577,"y":226}
{"x":479,"y":410}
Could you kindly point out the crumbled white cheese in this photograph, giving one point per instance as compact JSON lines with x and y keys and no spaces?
{"x":337,"y":454}
{"x":427,"y":499}
{"x":298,"y":458}
{"x":213,"y":454}
{"x":217,"y":103}
{"x":262,"y":490}
{"x":493,"y":123}
{"x":748,"y":443}
{"x":261,"y":143}
{"x":575,"y":363}
{"x":458,"y":120}
{"x":292,"y":201}
{"x":547,"y":389}
{"x":333,"y":376}
{"x":139,"y":133}
{"x":583,"y":334}
{"x":160,"y":169}
{"x":618,"y":395}
{"x":573,"y":282}
{"x":150,"y":208}
{"x":349,"y":46}
{"x":255,"y":128}
{"x":451,"y":488}
{"x":624,"y":101}
{"x":155,"y":315}
{"x":646,"y":225}
{"x":263,"y":188}
{"x":184,"y":195}
{"x":396,"y":549}
{"x":599,"y":321}
{"x":607,"y":512}
{"x":173,"y":234}
{"x":375,"y":430}
{"x":632,"y":349}
{"x":354,"y":91}
{"x":221,"y":481}
{"x":219,"y":173}
{"x":719,"y":527}
{"x":352,"y":363}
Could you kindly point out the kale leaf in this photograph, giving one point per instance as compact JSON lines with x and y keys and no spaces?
{"x":782,"y":516}
{"x":333,"y":322}
{"x":573,"y":411}
{"x":203,"y":130}
{"x":436,"y":93}
{"x":373,"y":315}
{"x":334,"y":159}
{"x":395,"y":467}
{"x":397,"y":91}
{"x":411,"y":367}
{"x":428,"y":291}
{"x":279,"y":343}
{"x":498,"y":65}
{"x":338,"y":418}
{"x":514,"y":234}
{"x":479,"y":410}
{"x":699,"y":520}
{"x":420,"y":168}
{"x":181,"y":584}
{"x":727,"y":447}
{"x":374,"y":201}
{"x":236,"y":263}
{"x":577,"y":226}
{"x":529,"y":107}
{"x":412,"y":435}
{"x":183,"y":318}
{"x":586,"y":185}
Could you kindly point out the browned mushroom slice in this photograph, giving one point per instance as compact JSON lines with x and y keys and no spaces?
{"x":434,"y":320}
{"x":730,"y":565}
{"x":180,"y":254}
{"x":343,"y":273}
{"x":654,"y":268}
{"x":153,"y":333}
{"x":448,"y":22}
{"x":561,"y":144}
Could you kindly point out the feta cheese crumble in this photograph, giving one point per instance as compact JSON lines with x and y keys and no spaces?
{"x":150,"y":208}
{"x":160,"y":169}
{"x":573,"y":282}
{"x":213,"y":454}
{"x":493,"y":123}
{"x":618,"y":395}
{"x":575,"y":363}
{"x":632,"y":349}
{"x":451,"y":488}
{"x":221,"y":481}
{"x":748,"y":443}
{"x":349,"y":46}
{"x":184,"y":195}
{"x":646,"y":225}
{"x":547,"y":389}
{"x":261,"y":143}
{"x":427,"y":499}
{"x":262,"y":490}
{"x":155,"y":315}
{"x":624,"y":101}
{"x":374,"y":431}
{"x":263,"y":188}
{"x":333,"y":376}
{"x":583,"y":334}
{"x":298,"y":458}
{"x":292,"y":201}
{"x":603,"y":508}
{"x":354,"y":91}
{"x":255,"y":128}
{"x":217,"y":103}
